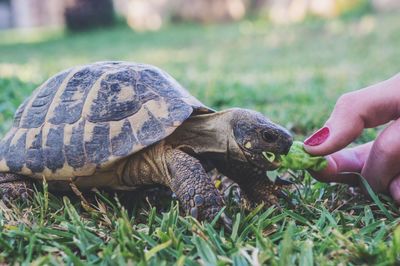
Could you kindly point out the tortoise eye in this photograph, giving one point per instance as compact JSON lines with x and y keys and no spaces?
{"x":269,"y":136}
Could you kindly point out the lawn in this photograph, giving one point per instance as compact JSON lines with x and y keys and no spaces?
{"x":293,"y":74}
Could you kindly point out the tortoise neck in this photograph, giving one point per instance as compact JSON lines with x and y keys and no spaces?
{"x":208,"y":133}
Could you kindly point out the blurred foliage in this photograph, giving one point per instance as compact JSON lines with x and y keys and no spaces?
{"x":358,"y":9}
{"x":293,"y":73}
{"x":300,"y":10}
{"x":82,"y":15}
{"x":153,"y":14}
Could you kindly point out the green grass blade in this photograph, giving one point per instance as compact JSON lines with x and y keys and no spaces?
{"x":306,"y":254}
{"x":152,"y":252}
{"x":205,"y":251}
{"x":373,"y":196}
{"x":286,"y":246}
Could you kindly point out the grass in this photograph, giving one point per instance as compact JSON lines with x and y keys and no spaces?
{"x":293,"y":74}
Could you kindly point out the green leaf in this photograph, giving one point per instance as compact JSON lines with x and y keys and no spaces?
{"x":299,"y":159}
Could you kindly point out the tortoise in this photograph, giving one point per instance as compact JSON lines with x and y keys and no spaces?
{"x":122,"y":125}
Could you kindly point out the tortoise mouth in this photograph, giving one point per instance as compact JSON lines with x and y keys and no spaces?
{"x":267,"y":161}
{"x":274,"y":159}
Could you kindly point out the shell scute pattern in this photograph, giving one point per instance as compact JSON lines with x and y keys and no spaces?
{"x":116,"y":98}
{"x":75,"y":150}
{"x":144,"y":94}
{"x":124,"y":92}
{"x":73,"y":97}
{"x":87,"y":117}
{"x":150,"y":78}
{"x":34,"y":115}
{"x":98,"y":149}
{"x":19,"y":113}
{"x":5,"y":143}
{"x":177,"y":111}
{"x":53,"y":151}
{"x":122,"y":143}
{"x":151,"y":131}
{"x":34,"y":154}
{"x":16,"y":155}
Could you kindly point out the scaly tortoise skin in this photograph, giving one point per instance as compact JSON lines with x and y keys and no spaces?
{"x":122,"y":125}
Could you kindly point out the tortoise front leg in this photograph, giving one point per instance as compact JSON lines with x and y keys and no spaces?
{"x":192,"y":185}
{"x":229,"y":190}
{"x":257,"y":190}
{"x":13,"y":186}
{"x":254,"y":184}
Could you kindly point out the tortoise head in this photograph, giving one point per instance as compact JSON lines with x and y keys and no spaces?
{"x":257,"y":136}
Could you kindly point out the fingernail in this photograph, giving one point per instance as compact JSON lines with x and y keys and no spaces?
{"x":318,"y":137}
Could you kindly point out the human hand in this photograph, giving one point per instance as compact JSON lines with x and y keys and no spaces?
{"x":378,"y":161}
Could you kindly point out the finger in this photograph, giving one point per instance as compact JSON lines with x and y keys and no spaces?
{"x":342,"y":162}
{"x":383,"y":162}
{"x":354,"y":111}
{"x":394,"y":189}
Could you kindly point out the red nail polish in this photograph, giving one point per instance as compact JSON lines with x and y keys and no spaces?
{"x":318,"y":137}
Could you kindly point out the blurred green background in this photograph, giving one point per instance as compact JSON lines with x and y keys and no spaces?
{"x":290,"y":67}
{"x":292,"y":71}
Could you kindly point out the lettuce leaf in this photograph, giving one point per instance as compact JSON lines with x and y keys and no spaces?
{"x":299,"y":159}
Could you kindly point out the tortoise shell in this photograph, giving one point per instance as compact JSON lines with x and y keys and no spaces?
{"x":88,"y":117}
